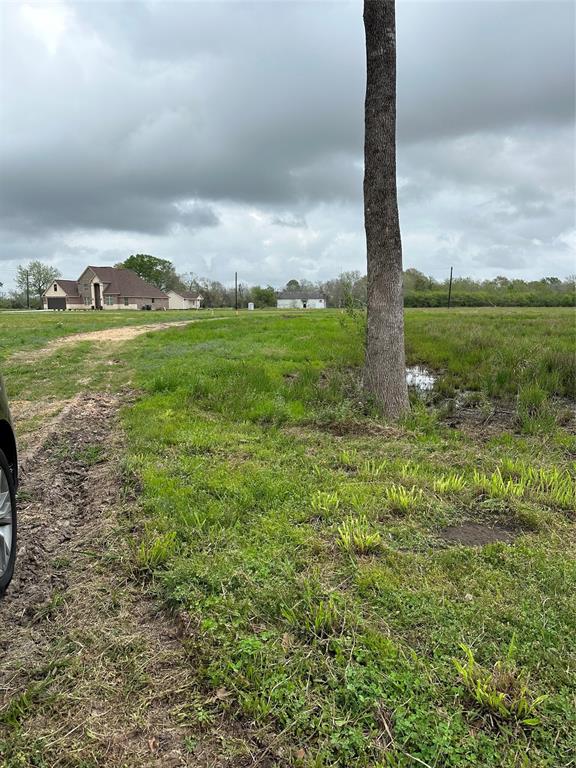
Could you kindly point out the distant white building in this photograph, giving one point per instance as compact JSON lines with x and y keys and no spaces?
{"x":184,"y":300}
{"x":300,"y":300}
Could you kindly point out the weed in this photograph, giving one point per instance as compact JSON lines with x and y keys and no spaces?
{"x":514,"y":479}
{"x":48,"y":609}
{"x":501,"y":692}
{"x":409,"y":469}
{"x":20,"y":706}
{"x":315,"y":614}
{"x":372,"y":468}
{"x":421,"y":418}
{"x":349,"y":460}
{"x":89,"y":455}
{"x":557,"y":486}
{"x":154,"y":553}
{"x":452,"y":483}
{"x":324,"y":504}
{"x":496,"y":486}
{"x":402,"y":499}
{"x":357,"y":535}
{"x":318,"y":472}
{"x":512,"y":469}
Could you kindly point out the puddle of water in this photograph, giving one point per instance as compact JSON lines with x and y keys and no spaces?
{"x":420,"y":378}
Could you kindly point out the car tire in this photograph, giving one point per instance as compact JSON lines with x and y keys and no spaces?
{"x":7,"y":482}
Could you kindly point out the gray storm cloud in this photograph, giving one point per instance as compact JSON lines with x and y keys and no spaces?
{"x":224,"y":133}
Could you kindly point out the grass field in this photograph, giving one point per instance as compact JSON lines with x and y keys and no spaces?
{"x":368,"y":594}
{"x":32,"y":329}
{"x":306,"y":539}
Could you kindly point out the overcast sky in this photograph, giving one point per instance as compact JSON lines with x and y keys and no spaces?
{"x":229,"y":136}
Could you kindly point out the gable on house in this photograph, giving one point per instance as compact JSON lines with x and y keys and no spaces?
{"x":300,"y":300}
{"x":105,"y":288}
{"x":62,"y":293}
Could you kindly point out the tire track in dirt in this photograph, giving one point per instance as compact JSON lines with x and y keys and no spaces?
{"x":47,"y":431}
{"x":92,"y":671}
{"x":111,"y":335}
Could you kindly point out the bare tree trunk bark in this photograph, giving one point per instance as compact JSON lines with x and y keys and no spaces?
{"x":384,"y":372}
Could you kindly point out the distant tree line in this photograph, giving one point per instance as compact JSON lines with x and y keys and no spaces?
{"x":422,"y":291}
{"x":349,"y":289}
{"x":346,"y":290}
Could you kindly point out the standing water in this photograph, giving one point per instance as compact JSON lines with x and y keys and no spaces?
{"x":419,"y":378}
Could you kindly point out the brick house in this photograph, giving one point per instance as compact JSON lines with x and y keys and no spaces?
{"x":104,"y":288}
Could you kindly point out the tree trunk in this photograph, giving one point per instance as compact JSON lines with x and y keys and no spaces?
{"x":384,"y":373}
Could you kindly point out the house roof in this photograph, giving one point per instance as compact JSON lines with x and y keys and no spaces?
{"x":306,"y":295}
{"x":70,"y":287}
{"x":125,"y":282}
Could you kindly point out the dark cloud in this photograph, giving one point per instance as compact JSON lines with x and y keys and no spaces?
{"x":179,"y":121}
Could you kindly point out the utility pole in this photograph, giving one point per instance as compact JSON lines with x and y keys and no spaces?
{"x":28,"y":289}
{"x":450,"y":289}
{"x":236,"y":289}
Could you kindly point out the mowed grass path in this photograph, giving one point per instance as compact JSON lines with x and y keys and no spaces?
{"x":304,"y":538}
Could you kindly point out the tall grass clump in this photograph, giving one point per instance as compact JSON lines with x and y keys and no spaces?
{"x":557,"y":368}
{"x":357,"y":535}
{"x":373,"y":468}
{"x":497,"y":487}
{"x":401,"y":499}
{"x":154,"y":552}
{"x":452,"y":483}
{"x":501,"y":692}
{"x":554,"y":485}
{"x":315,"y":615}
{"x":348,"y":460}
{"x":534,"y":410}
{"x":324,"y":503}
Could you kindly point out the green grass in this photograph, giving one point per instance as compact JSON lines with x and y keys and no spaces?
{"x":76,"y":366}
{"x":497,"y":351}
{"x":30,"y":330}
{"x":303,"y":537}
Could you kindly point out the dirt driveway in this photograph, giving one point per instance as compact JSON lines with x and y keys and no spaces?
{"x":124,"y":333}
{"x":93,"y":672}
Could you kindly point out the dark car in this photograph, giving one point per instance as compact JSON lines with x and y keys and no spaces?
{"x":8,"y":484}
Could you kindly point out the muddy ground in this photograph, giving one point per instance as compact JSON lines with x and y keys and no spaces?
{"x":93,"y":672}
